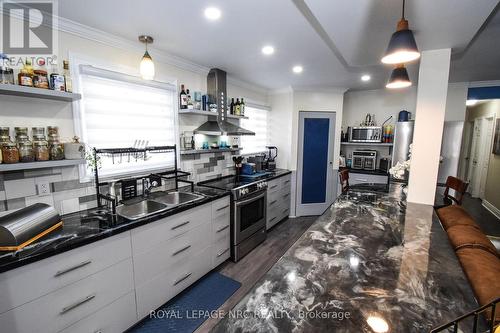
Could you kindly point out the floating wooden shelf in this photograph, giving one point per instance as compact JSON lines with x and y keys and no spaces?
{"x":381,"y":144}
{"x":208,"y":113}
{"x":39,"y":165}
{"x":22,"y":91}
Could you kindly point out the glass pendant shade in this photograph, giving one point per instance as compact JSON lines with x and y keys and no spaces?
{"x":147,"y":67}
{"x":399,"y":78}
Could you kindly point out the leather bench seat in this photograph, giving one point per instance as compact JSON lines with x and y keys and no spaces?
{"x":468,"y":236}
{"x":455,"y":215}
{"x":483,"y":271}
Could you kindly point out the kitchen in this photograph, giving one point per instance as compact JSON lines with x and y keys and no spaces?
{"x":141,"y":174}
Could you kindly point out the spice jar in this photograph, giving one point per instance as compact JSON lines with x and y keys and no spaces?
{"x":40,"y":79}
{"x":41,"y":150}
{"x":6,"y":73}
{"x":21,"y":131}
{"x":38,"y":131}
{"x":56,"y":151}
{"x":4,"y":131}
{"x":53,"y":130}
{"x":21,"y":138}
{"x":26,"y":153}
{"x":10,"y":153}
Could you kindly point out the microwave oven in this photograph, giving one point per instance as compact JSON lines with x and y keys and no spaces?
{"x":364,"y":159}
{"x":365,"y":134}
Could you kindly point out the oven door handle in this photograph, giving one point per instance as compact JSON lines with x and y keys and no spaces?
{"x":252,"y":199}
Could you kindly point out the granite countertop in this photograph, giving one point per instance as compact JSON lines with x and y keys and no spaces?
{"x":368,"y":172}
{"x":371,"y":258}
{"x":84,"y":227}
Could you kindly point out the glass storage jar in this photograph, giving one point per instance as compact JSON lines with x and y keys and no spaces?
{"x":41,"y":150}
{"x":26,"y":153}
{"x":56,"y":151}
{"x":4,"y":131}
{"x":53,"y":130}
{"x":21,"y":138}
{"x":38,"y":131}
{"x":21,"y":131}
{"x":10,"y":153}
{"x":6,"y":72}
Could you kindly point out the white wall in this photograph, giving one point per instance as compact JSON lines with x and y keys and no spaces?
{"x":280,"y":126}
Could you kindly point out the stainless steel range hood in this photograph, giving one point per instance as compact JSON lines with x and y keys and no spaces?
{"x":217,"y":94}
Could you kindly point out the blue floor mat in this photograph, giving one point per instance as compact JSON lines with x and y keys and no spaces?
{"x":182,"y":314}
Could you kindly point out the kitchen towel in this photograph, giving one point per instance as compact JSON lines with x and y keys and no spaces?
{"x":188,"y":310}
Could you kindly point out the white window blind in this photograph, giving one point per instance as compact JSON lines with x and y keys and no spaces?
{"x":256,"y":122}
{"x":118,"y":111}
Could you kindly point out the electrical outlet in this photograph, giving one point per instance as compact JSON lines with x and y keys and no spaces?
{"x":43,"y":188}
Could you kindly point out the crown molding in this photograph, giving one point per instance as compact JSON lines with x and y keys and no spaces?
{"x":322,"y":89}
{"x":247,"y":85}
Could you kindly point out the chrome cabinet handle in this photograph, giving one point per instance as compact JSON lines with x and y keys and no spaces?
{"x":72,"y":268}
{"x":362,"y":180}
{"x":286,"y":181}
{"x":181,"y":250}
{"x":223,"y":228}
{"x":221,"y":253}
{"x":182,"y":279}
{"x":180,"y":225}
{"x":274,"y":186}
{"x":286,"y":195}
{"x":285,"y":210}
{"x":77,"y":303}
{"x":222,"y":208}
{"x":272,"y":202}
{"x":274,"y":218}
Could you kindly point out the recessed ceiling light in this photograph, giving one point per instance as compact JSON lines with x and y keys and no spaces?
{"x":366,"y":78}
{"x":212,"y":13}
{"x":297,"y":69}
{"x":268,"y":50}
{"x":471,"y":102}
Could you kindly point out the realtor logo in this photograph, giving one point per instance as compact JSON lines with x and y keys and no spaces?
{"x":28,"y":27}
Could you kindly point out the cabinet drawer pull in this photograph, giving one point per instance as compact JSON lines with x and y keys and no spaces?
{"x":274,"y":186}
{"x":77,"y":304}
{"x":72,"y":268}
{"x":222,"y":252}
{"x":274,"y":218}
{"x":285,"y":210}
{"x":222,"y":208}
{"x":272,"y":202}
{"x":286,"y":195}
{"x":286,"y":181}
{"x":182,"y":279}
{"x":361,"y":179}
{"x":180,"y":225}
{"x":223,"y":228}
{"x":181,"y":250}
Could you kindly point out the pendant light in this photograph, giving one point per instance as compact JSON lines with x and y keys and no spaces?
{"x":399,"y":78}
{"x":147,"y":67}
{"x":402,"y":46}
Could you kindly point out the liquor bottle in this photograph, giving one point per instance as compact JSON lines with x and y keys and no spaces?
{"x":183,"y":98}
{"x":242,"y":107}
{"x":237,"y":107}
{"x":56,"y":80}
{"x":67,"y":77}
{"x":231,"y":106}
{"x":25,"y":76}
{"x":189,"y":100}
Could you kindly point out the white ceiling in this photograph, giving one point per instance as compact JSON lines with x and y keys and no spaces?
{"x":335,"y":41}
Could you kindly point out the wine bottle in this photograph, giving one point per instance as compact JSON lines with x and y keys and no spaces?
{"x":183,"y":98}
{"x":237,"y":107}
{"x":242,"y":107}
{"x":67,"y":77}
{"x":189,"y":100}
{"x":231,"y":106}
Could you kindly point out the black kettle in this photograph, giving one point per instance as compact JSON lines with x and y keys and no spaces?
{"x":404,"y":115}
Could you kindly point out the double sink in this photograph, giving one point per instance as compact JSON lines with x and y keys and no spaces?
{"x":155,"y":203}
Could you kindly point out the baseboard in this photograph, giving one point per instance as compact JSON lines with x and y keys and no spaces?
{"x":492,"y":209}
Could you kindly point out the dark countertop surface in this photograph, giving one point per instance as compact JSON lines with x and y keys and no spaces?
{"x":84,"y":227}
{"x":371,"y":258}
{"x":368,"y":172}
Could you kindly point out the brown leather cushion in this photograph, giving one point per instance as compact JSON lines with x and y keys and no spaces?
{"x":469,"y":236}
{"x":483,"y":271}
{"x":455,"y":215}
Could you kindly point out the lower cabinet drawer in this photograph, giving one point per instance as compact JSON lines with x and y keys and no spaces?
{"x":360,"y":178}
{"x":113,"y":318}
{"x":221,"y":250}
{"x":64,"y":307}
{"x":156,"y":292}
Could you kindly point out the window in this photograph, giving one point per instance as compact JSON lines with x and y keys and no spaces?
{"x":256,"y":122}
{"x":121,"y":111}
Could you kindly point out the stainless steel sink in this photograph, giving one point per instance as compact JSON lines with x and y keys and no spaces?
{"x":140,"y":209}
{"x":175,"y":198}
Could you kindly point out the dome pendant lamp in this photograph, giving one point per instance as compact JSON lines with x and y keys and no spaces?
{"x":402,"y":46}
{"x":399,"y":78}
{"x":147,"y":67}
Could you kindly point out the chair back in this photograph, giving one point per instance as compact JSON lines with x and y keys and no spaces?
{"x":459,"y":186}
{"x":344,"y":179}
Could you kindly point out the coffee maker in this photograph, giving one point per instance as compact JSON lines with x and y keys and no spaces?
{"x":270,"y":161}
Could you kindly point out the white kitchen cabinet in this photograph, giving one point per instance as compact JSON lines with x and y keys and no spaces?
{"x":278,"y":200}
{"x":26,"y":283}
{"x":66,"y":306}
{"x":221,"y":231}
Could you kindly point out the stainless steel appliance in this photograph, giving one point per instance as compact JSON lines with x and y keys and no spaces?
{"x":365,"y":134}
{"x":385,"y":164}
{"x":403,"y":137}
{"x":271,"y":157}
{"x":248,"y":212}
{"x":364,"y":159}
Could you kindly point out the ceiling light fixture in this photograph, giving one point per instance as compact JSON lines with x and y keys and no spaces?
{"x":212,"y":13}
{"x":297,"y":69}
{"x":402,"y":46}
{"x":147,"y":67}
{"x":366,"y":78}
{"x":399,"y":78}
{"x":268,"y":50}
{"x":471,"y":102}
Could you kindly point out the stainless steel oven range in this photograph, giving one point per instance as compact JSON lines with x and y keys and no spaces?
{"x":248,"y":212}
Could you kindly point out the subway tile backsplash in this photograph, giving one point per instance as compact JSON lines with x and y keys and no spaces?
{"x":19,"y":189}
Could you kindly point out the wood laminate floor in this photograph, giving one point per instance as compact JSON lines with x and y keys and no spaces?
{"x":254,"y":265}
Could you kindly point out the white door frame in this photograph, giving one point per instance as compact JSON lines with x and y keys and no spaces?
{"x":463,"y":169}
{"x":316,"y":208}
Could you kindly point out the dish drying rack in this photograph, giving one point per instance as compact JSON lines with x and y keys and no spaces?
{"x":136,"y":153}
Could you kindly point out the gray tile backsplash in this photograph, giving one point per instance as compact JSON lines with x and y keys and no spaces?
{"x":208,"y":165}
